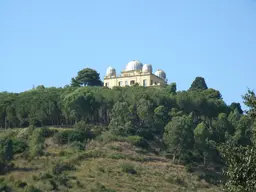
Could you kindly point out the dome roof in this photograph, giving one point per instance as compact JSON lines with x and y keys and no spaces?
{"x":133,"y":65}
{"x":147,"y":68}
{"x":160,"y":73}
{"x":111,"y":71}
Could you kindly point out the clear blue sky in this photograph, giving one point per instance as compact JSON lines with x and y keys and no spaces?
{"x":47,"y":42}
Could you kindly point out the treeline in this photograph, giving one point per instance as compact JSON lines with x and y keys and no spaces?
{"x":189,"y":121}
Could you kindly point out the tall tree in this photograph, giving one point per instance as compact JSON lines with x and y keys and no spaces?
{"x":87,"y":77}
{"x":178,"y":136}
{"x":236,"y":106}
{"x":198,"y":84}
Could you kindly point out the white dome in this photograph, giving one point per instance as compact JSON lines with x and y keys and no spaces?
{"x":147,"y":68}
{"x":111,"y":71}
{"x":160,"y":73}
{"x":134,"y":65}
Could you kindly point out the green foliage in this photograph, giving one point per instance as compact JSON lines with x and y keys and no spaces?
{"x":198,"y":84}
{"x":128,"y":168}
{"x":77,"y":145}
{"x":31,"y":188}
{"x":172,"y":88}
{"x":19,"y":146}
{"x":36,"y":143}
{"x":69,"y":136}
{"x":8,"y":150}
{"x":137,"y":141}
{"x":241,"y":165}
{"x":60,"y":167}
{"x":178,"y":136}
{"x":87,"y":77}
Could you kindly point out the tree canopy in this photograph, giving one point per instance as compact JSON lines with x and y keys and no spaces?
{"x":86,"y":77}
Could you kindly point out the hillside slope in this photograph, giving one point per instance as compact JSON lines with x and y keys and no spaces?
{"x":105,"y":165}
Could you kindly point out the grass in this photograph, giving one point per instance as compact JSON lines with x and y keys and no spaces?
{"x":112,"y":166}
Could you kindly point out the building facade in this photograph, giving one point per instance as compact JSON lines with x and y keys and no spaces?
{"x":135,"y":73}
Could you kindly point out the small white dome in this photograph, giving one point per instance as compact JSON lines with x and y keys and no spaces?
{"x":160,"y":73}
{"x":134,"y":65}
{"x":111,"y":71}
{"x":147,"y":68}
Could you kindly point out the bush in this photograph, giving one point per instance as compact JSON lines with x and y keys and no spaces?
{"x":78,"y":145}
{"x":85,"y":128}
{"x":128,"y":168}
{"x":36,"y":143}
{"x":77,"y":135}
{"x":31,"y":188}
{"x":46,"y":132}
{"x":65,"y":137}
{"x":45,"y":176}
{"x":19,"y":146}
{"x":137,"y":141}
{"x":5,"y":188}
{"x":20,"y":184}
{"x":61,"y":167}
{"x":61,"y":137}
{"x":189,"y":168}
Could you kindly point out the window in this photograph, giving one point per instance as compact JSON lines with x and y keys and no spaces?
{"x":132,"y":82}
{"x":106,"y":84}
{"x":120,"y":83}
{"x":144,"y":82}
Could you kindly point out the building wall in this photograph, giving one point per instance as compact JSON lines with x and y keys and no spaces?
{"x":130,"y":78}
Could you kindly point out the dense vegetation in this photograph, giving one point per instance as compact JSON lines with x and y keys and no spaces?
{"x":193,"y":127}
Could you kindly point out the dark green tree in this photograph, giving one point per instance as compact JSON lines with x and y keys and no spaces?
{"x":178,"y":136}
{"x":87,"y":77}
{"x":236,"y":106}
{"x":8,"y":150}
{"x":198,"y":84}
{"x":75,"y":83}
{"x":172,"y":88}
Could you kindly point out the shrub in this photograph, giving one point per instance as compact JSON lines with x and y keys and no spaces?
{"x":46,"y":132}
{"x":65,"y":137}
{"x":19,"y":146}
{"x":20,"y":184}
{"x":61,"y":137}
{"x":78,"y":145}
{"x":85,"y":128}
{"x":31,"y":188}
{"x":61,"y":167}
{"x":45,"y":176}
{"x":137,"y":141}
{"x":5,"y":188}
{"x":53,"y":184}
{"x":128,"y":168}
{"x":77,"y":135}
{"x":36,"y":143}
{"x":189,"y":168}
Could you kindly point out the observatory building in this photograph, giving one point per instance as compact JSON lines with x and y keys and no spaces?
{"x":135,"y":73}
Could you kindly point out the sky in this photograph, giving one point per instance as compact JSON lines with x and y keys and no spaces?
{"x":47,"y":42}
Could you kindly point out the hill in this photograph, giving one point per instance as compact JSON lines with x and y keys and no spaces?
{"x":108,"y":163}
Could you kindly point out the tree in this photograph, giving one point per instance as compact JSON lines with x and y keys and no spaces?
{"x":87,"y":77}
{"x":250,"y":101}
{"x":236,"y":106}
{"x":8,"y":150}
{"x":36,"y":143}
{"x":120,"y":123}
{"x":172,"y":88}
{"x":241,"y":160}
{"x":75,"y":83}
{"x":198,"y":84}
{"x":178,"y":136}
{"x":202,"y":136}
{"x":241,"y":166}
